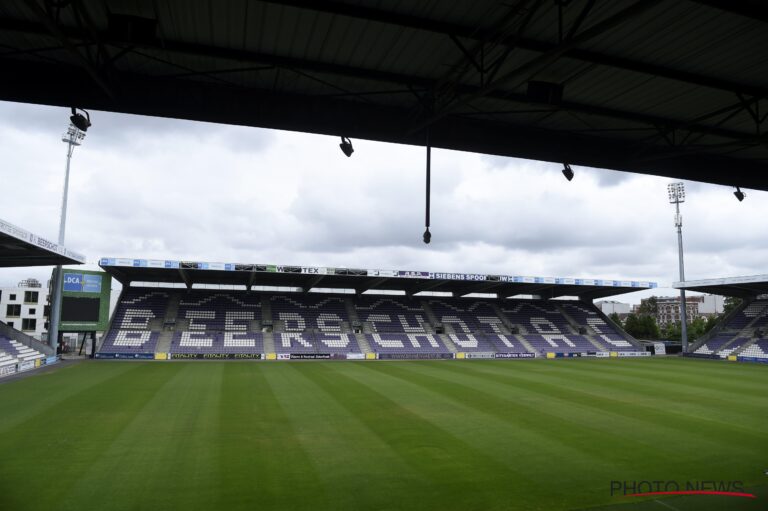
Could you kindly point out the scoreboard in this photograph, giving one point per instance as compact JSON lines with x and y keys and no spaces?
{"x":85,"y":301}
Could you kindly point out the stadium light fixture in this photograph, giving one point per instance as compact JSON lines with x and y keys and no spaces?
{"x":676,"y":193}
{"x":739,"y":194}
{"x":428,"y":235}
{"x":73,"y":137}
{"x":81,"y":122}
{"x":346,"y":146}
{"x":567,"y":171}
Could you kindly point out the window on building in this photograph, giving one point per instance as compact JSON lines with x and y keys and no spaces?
{"x":32,"y":311}
{"x":10,"y":324}
{"x":30,"y":296}
{"x":11,"y":297}
{"x":29,"y":324}
{"x":13,"y":310}
{"x":46,"y":310}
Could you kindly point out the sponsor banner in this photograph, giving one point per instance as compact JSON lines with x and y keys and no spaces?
{"x":479,"y":355}
{"x":635,"y":354}
{"x":518,"y":355}
{"x":458,"y":276}
{"x":413,"y":274}
{"x":6,"y":370}
{"x":271,"y":356}
{"x":574,"y":355}
{"x":161,"y":356}
{"x":613,"y":354}
{"x":461,"y":355}
{"x":602,"y":354}
{"x":310,"y":356}
{"x":127,"y":356}
{"x":215,"y":356}
{"x":355,"y":356}
{"x":551,"y":355}
{"x":338,"y":356}
{"x":283,"y":356}
{"x":753,"y":359}
{"x":732,"y":358}
{"x":371,"y":356}
{"x":659,"y":348}
{"x":26,"y":365}
{"x":38,"y":362}
{"x":51,"y":360}
{"x":414,"y":356}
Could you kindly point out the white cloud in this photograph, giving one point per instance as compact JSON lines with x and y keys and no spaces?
{"x":160,"y":188}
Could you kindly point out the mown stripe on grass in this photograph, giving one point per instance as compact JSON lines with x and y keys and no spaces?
{"x":43,"y":456}
{"x":361,"y":470}
{"x":708,"y":432}
{"x":261,"y":460}
{"x":452,"y":469}
{"x":177,"y":430}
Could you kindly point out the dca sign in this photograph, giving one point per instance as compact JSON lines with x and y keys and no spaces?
{"x":82,"y":282}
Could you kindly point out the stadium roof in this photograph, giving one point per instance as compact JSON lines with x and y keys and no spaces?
{"x":361,"y":280}
{"x":673,"y":88}
{"x":743,"y":287}
{"x":19,"y":247}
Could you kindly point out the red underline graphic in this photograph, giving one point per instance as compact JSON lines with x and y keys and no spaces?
{"x":694,"y":492}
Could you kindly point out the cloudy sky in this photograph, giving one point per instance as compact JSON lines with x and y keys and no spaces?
{"x":169,"y":189}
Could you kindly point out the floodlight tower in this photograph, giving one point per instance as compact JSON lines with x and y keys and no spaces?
{"x":676,"y":196}
{"x":73,"y":137}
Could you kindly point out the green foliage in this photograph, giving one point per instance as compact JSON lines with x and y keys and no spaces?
{"x":649,"y":307}
{"x":730,"y":303}
{"x":642,"y":326}
{"x":615,"y":318}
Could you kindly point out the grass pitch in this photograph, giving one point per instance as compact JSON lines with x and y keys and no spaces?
{"x":464,"y":435}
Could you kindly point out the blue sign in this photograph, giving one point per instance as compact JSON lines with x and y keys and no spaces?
{"x":91,"y":283}
{"x":82,"y":283}
{"x":73,"y":282}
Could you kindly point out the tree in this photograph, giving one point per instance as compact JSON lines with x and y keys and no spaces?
{"x":649,"y":306}
{"x":730,"y":303}
{"x":641,"y":326}
{"x":615,"y":318}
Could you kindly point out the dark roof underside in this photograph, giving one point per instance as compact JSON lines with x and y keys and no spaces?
{"x":190,"y":277}
{"x":742,"y":287}
{"x":667,"y":87}
{"x":15,"y":252}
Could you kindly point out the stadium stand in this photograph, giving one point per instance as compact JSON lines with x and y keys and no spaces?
{"x":757,"y":350}
{"x":607,"y":335}
{"x":736,"y":336}
{"x":131,"y":328}
{"x":12,"y":351}
{"x":216,"y":322}
{"x":219,"y":322}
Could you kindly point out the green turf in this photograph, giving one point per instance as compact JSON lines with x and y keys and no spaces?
{"x":464,"y":435}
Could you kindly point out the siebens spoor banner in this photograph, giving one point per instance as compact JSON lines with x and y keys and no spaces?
{"x":216,"y":356}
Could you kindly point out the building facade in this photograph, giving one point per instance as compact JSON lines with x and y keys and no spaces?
{"x":25,"y":307}
{"x":703,"y":306}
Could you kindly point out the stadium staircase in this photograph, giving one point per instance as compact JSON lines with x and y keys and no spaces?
{"x":362,"y":341}
{"x":572,"y":323}
{"x":526,"y":344}
{"x":22,"y":338}
{"x":269,"y":342}
{"x":433,"y":322}
{"x":167,"y":324}
{"x":507,"y":323}
{"x":431,"y":318}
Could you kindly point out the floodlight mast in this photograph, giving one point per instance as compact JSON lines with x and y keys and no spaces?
{"x":73,"y":137}
{"x":676,"y":196}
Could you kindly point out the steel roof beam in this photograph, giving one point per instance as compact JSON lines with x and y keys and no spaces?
{"x":587,"y":56}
